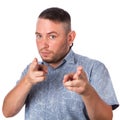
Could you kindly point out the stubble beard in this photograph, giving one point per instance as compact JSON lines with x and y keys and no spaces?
{"x":55,"y":59}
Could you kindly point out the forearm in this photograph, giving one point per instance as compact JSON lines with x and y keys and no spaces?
{"x":97,"y":109}
{"x":15,"y":99}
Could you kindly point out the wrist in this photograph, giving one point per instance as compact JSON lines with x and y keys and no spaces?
{"x":88,"y":91}
{"x":27,"y":82}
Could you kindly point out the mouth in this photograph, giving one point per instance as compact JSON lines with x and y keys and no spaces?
{"x":44,"y":53}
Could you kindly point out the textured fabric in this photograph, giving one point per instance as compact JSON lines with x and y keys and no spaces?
{"x":50,"y":100}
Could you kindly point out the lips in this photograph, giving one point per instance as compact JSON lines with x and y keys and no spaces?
{"x":44,"y":53}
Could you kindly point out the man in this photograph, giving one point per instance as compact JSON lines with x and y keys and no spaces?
{"x":65,"y":85}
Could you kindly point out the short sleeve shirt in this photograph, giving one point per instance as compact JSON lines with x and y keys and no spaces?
{"x":50,"y":100}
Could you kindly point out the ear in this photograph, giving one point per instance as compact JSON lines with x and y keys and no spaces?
{"x":71,"y":37}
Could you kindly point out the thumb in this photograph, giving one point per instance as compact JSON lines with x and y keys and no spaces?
{"x":34,"y":64}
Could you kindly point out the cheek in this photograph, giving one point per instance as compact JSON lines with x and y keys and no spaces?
{"x":37,"y":43}
{"x":40,"y":44}
{"x":60,"y":46}
{"x":64,"y":45}
{"x":55,"y":45}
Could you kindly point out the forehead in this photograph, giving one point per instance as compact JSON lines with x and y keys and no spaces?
{"x":46,"y":25}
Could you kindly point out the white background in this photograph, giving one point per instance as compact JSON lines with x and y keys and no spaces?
{"x":96,"y":22}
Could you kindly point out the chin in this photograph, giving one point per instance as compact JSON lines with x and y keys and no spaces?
{"x":47,"y":60}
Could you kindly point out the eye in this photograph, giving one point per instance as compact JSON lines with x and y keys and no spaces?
{"x":38,"y":36}
{"x":52,"y":37}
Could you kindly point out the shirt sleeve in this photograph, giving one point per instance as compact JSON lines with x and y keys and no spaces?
{"x":101,"y":81}
{"x":23,"y":73}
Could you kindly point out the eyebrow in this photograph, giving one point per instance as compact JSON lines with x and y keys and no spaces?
{"x":37,"y":33}
{"x":48,"y":32}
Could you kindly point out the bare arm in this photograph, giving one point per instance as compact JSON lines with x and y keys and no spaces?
{"x":15,"y":99}
{"x":97,"y":109}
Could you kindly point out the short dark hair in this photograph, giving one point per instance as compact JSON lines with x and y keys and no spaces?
{"x":58,"y":15}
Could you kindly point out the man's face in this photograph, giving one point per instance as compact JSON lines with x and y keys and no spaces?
{"x":52,"y":41}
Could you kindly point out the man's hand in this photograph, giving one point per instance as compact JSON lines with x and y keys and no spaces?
{"x":36,"y":72}
{"x":76,"y":82}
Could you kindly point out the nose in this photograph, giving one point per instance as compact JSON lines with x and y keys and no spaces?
{"x":42,"y":43}
{"x":45,"y":43}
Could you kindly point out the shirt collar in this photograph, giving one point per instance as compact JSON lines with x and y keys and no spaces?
{"x":70,"y":57}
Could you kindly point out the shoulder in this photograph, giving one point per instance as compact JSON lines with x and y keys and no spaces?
{"x":89,"y":64}
{"x":86,"y":61}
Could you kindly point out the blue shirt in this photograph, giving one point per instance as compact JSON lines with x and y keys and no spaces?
{"x":50,"y":100}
